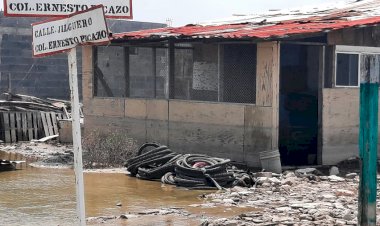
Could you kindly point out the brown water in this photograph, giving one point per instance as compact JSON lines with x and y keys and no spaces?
{"x":32,"y":196}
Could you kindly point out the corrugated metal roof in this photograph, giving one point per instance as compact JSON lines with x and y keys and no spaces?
{"x":274,"y":25}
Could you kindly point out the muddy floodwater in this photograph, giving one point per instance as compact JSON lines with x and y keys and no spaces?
{"x":34,"y":196}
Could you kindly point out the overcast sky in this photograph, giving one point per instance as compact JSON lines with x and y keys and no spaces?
{"x":191,"y":11}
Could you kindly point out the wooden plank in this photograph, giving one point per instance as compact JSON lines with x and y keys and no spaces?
{"x":54,"y":122}
{"x":136,"y":108}
{"x":203,"y":113}
{"x":45,"y":125}
{"x":12,"y":125}
{"x":264,"y":83}
{"x":30,"y":125}
{"x":19,"y":125}
{"x":40,"y":127}
{"x":24,"y":126}
{"x":106,"y":107}
{"x":49,"y":123}
{"x":7,"y":131}
{"x":257,"y":133}
{"x":35,"y":125}
{"x":275,"y":94}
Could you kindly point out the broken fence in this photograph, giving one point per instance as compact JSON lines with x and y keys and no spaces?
{"x":27,"y":126}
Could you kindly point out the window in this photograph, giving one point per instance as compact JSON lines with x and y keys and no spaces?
{"x":347,"y":69}
{"x":202,"y":72}
{"x":354,"y":61}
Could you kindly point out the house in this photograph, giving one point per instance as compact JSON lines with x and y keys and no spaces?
{"x":286,"y":80}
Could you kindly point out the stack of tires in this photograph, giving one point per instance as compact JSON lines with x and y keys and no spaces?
{"x":193,"y":171}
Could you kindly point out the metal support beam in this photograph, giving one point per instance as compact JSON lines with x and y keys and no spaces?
{"x":171,"y":70}
{"x":369,"y":93}
{"x":127,"y":72}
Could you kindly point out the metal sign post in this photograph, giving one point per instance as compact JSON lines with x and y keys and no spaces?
{"x":77,"y":144}
{"x":369,"y":94}
{"x":60,"y":35}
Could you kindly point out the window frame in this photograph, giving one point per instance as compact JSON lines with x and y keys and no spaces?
{"x":359,"y":50}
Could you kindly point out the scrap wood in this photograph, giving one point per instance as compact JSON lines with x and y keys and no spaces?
{"x":26,"y":98}
{"x":46,"y":138}
{"x":29,"y":105}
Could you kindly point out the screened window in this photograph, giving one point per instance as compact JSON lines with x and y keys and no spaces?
{"x":202,"y":72}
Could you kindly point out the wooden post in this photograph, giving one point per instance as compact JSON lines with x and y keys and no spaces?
{"x":77,"y":145}
{"x":369,"y":93}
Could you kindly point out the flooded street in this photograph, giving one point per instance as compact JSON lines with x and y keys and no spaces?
{"x":33,"y":196}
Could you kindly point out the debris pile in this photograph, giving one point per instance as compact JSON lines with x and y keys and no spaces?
{"x":19,"y":102}
{"x":6,"y":165}
{"x":300,"y":197}
{"x":27,"y":118}
{"x":194,"y":171}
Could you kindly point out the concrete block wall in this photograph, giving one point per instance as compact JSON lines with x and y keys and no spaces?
{"x":41,"y":77}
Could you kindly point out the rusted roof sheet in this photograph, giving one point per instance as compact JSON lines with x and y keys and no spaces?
{"x":274,"y":25}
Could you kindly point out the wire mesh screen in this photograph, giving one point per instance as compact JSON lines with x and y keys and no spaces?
{"x":196,"y":72}
{"x":239,"y":74}
{"x":162,"y":73}
{"x":208,"y":72}
{"x":141,"y":72}
{"x":203,"y":72}
{"x":109,"y":72}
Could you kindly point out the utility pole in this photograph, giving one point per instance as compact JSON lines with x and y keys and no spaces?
{"x":368,"y":131}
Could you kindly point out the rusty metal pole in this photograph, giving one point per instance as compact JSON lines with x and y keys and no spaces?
{"x":369,"y":93}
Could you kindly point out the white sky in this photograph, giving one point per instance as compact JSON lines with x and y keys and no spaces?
{"x":191,"y":11}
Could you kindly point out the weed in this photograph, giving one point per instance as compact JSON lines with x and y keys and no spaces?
{"x":107,"y":149}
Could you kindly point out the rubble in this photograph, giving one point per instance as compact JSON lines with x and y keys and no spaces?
{"x":292,"y":200}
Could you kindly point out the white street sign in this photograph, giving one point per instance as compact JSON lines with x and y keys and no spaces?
{"x":121,"y":9}
{"x":58,"y":35}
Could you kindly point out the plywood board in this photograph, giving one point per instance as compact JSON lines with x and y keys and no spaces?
{"x":206,"y":113}
{"x":264,"y":74}
{"x":213,"y":140}
{"x":132,"y":128}
{"x":157,"y":125}
{"x":157,"y":109}
{"x":257,"y":133}
{"x":112,"y":107}
{"x":135,"y":108}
